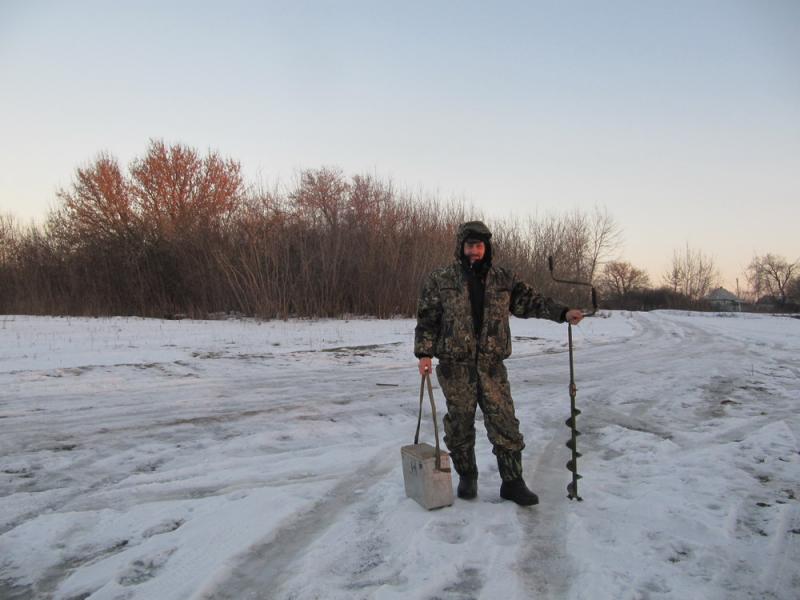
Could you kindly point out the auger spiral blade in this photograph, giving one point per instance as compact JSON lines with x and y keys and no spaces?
{"x":572,"y":492}
{"x":573,"y":468}
{"x":572,"y":444}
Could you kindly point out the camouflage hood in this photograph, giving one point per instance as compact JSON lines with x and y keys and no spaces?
{"x":477,"y":230}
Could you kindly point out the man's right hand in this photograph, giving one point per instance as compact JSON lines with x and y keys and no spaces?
{"x":574,"y":316}
{"x":425,"y":365}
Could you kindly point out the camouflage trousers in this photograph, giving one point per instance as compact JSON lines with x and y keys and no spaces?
{"x":466,"y":387}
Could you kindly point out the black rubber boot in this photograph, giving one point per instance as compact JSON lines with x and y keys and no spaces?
{"x":467,"y":488}
{"x":516,"y":491}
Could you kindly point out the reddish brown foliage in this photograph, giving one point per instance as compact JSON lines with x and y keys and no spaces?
{"x":178,"y":234}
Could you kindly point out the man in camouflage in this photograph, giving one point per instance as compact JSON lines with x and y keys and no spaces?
{"x":462,"y":319}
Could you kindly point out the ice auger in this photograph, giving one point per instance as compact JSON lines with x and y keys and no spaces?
{"x":572,"y":443}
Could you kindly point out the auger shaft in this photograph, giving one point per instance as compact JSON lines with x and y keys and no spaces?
{"x":572,"y":443}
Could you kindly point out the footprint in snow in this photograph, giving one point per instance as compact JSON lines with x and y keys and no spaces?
{"x":504,"y":534}
{"x":448,"y":531}
{"x":144,"y":569}
{"x":163,"y":527}
{"x":468,"y":585}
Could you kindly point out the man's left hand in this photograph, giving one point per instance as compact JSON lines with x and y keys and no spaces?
{"x":574,"y":316}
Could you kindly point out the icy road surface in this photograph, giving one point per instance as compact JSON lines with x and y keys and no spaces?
{"x":145,"y":459}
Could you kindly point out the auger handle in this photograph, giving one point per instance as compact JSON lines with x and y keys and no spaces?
{"x":586,"y":313}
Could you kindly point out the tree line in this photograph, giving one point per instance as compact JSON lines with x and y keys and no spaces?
{"x":178,"y":233}
{"x":773,"y":284}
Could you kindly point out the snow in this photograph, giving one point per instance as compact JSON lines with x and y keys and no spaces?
{"x":147,"y":459}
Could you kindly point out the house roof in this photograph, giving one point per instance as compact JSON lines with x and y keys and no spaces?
{"x":721,"y":294}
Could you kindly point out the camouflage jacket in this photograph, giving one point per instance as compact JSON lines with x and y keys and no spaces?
{"x":444,"y":318}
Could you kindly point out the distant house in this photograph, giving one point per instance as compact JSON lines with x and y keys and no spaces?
{"x":767,"y":302}
{"x":724,"y":301}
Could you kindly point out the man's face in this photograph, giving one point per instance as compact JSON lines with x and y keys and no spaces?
{"x":474,"y":250}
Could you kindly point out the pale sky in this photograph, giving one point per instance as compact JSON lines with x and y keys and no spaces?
{"x":682,"y":118}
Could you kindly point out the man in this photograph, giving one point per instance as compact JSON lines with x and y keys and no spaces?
{"x":462,"y":319}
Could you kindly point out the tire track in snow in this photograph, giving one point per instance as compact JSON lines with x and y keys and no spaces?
{"x":264,"y":569}
{"x":692,"y":360}
{"x":545,"y":564}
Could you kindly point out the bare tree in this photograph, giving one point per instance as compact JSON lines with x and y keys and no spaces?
{"x":773,"y":275}
{"x":692,"y":273}
{"x":9,"y":232}
{"x":605,"y":237}
{"x":178,"y":193}
{"x":619,"y":279}
{"x":8,"y":235}
{"x":321,"y":196}
{"x":793,"y":292}
{"x":98,"y":205}
{"x":178,"y":233}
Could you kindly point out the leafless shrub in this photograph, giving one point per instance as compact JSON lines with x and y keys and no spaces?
{"x":692,"y":273}
{"x":618,"y":281}
{"x":773,"y":275}
{"x":180,"y":233}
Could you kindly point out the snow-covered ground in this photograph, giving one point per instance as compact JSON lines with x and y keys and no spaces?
{"x":145,"y":459}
